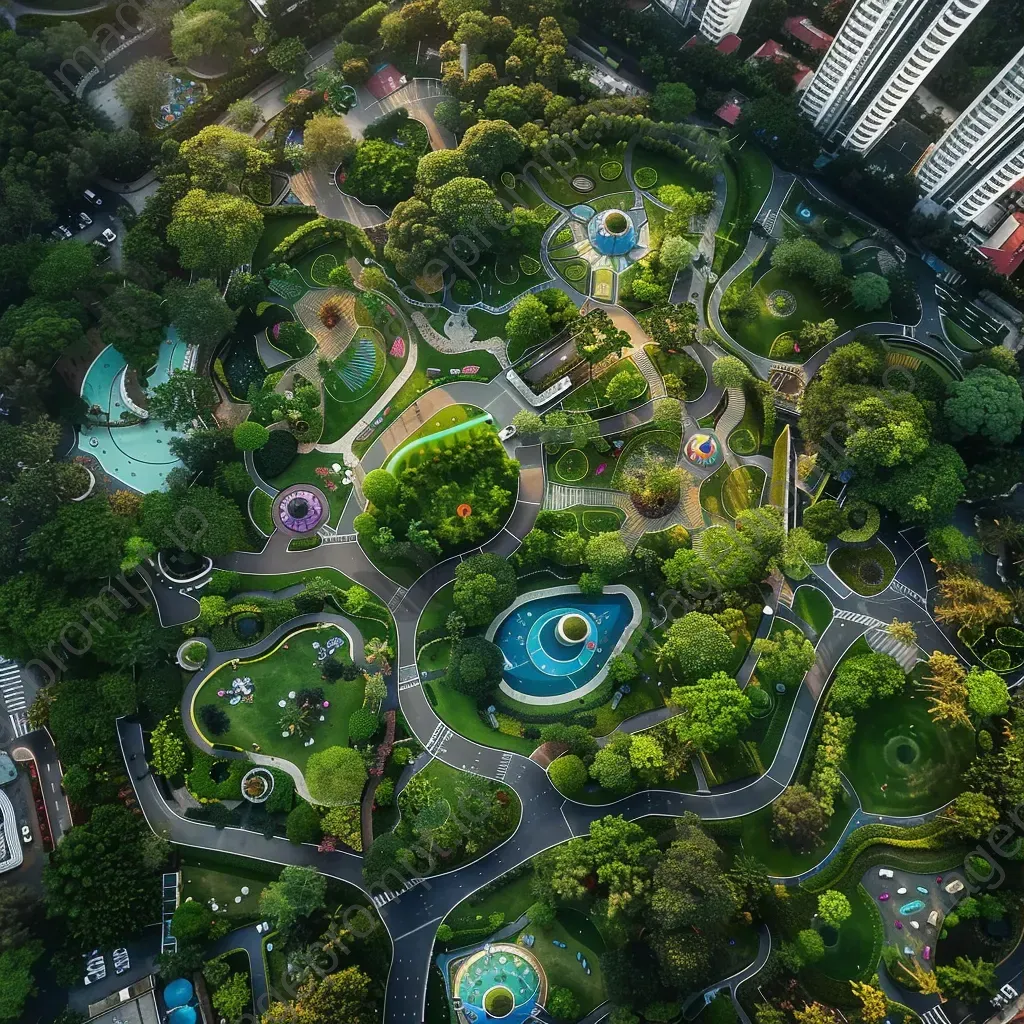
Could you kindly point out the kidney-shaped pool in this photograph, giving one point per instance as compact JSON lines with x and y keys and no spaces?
{"x":557,"y":642}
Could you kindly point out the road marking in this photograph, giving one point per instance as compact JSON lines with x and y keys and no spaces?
{"x":503,"y":766}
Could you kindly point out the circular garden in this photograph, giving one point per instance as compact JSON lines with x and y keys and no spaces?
{"x":645,"y":177}
{"x":573,"y":465}
{"x":610,"y":170}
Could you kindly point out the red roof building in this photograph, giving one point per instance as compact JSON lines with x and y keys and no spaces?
{"x":802,"y":28}
{"x":729,"y":44}
{"x":771,"y":50}
{"x":729,"y":112}
{"x":1004,"y":248}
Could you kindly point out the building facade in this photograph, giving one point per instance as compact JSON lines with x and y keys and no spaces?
{"x":715,"y":19}
{"x":882,"y":53}
{"x":981,"y":156}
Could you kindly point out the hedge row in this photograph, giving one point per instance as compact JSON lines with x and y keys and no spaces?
{"x":216,"y":103}
{"x":315,"y":233}
{"x":876,"y":844}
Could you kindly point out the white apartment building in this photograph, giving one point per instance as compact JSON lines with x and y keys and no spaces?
{"x":715,"y":18}
{"x":882,"y":53}
{"x":982,"y":153}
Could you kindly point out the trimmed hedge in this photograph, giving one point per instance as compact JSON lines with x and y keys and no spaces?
{"x":875,"y":844}
{"x":610,"y":170}
{"x":871,"y":524}
{"x":315,"y":233}
{"x":645,"y":177}
{"x":277,"y":454}
{"x":201,"y":784}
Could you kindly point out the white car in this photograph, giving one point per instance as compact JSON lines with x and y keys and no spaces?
{"x":885,"y":872}
{"x":84,"y":220}
{"x":955,"y":886}
{"x":92,"y":197}
{"x":109,"y":236}
{"x":61,"y":232}
{"x":506,"y":432}
{"x":26,"y":834}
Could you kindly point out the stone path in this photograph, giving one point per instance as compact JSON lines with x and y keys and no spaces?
{"x":452,"y":347}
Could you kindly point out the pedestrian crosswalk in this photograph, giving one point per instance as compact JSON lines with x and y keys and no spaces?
{"x":382,"y":899}
{"x":12,"y":690}
{"x":408,"y":677}
{"x":884,"y":643}
{"x":936,"y":1015}
{"x":438,"y":739}
{"x":503,"y":766}
{"x":902,"y":588}
{"x":858,"y":617}
{"x":398,"y":598}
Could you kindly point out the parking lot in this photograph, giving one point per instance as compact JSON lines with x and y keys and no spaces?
{"x":903,"y":890}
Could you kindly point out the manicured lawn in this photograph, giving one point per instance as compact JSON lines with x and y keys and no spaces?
{"x":855,"y":952}
{"x":580,"y":935}
{"x":591,"y":396}
{"x":671,"y":171}
{"x":711,"y":491}
{"x":684,"y":366}
{"x":290,"y":667}
{"x":603,"y":461}
{"x":742,"y":489}
{"x":302,"y":471}
{"x":867,"y":571}
{"x":572,"y":465}
{"x":813,"y":607}
{"x":204,"y":882}
{"x":275,"y":231}
{"x":748,"y":175}
{"x":757,"y":335}
{"x":601,"y":520}
{"x":460,"y":712}
{"x":511,"y":899}
{"x":959,"y":337}
{"x":488,"y":325}
{"x":260,"y":504}
{"x":557,"y":185}
{"x":757,"y":840}
{"x":898,"y":746}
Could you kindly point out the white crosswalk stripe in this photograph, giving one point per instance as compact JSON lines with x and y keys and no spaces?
{"x":12,"y":694}
{"x":503,"y":766}
{"x":936,"y":1015}
{"x":384,"y":898}
{"x":440,"y":736}
{"x":398,"y":598}
{"x":859,"y":617}
{"x":902,"y":588}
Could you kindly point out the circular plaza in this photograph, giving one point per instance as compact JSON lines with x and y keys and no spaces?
{"x":499,"y":982}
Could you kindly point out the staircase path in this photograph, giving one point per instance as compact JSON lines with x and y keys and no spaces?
{"x":881,"y":641}
{"x":729,"y":421}
{"x":651,"y":375}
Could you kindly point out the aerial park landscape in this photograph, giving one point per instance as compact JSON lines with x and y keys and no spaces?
{"x":511,"y":513}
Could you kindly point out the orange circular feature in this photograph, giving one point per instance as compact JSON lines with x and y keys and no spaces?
{"x":465,"y":511}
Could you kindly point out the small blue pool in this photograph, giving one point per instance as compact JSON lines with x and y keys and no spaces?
{"x":138,"y":455}
{"x":583,"y":212}
{"x":556,"y":646}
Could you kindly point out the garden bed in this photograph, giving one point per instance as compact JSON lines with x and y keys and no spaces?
{"x":866,"y":571}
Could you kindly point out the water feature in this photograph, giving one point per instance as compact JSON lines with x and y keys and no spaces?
{"x":556,"y":646}
{"x":138,"y":455}
{"x":504,"y":983}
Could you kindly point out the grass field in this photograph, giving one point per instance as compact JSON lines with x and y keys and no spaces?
{"x":742,"y":489}
{"x":579,"y":934}
{"x":275,"y":231}
{"x":711,"y":491}
{"x":289,"y":668}
{"x":855,"y":953}
{"x":684,"y":366}
{"x":748,"y":177}
{"x":204,"y":879}
{"x":813,"y":607}
{"x":897,"y":745}
{"x":559,"y":185}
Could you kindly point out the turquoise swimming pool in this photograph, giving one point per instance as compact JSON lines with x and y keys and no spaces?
{"x":557,"y":644}
{"x":138,"y":455}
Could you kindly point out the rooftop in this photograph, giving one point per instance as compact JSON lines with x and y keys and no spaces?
{"x":135,"y":1004}
{"x":801,"y":27}
{"x":729,"y":44}
{"x":1004,"y":248}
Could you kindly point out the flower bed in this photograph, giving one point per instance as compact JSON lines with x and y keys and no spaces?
{"x":645,"y":177}
{"x":610,"y":170}
{"x":563,"y":237}
{"x":781,"y":303}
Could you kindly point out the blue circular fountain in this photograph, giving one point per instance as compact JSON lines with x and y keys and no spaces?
{"x":610,"y":236}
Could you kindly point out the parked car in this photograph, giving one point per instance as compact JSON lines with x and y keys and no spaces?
{"x":955,"y":886}
{"x":92,"y":197}
{"x":933,"y":918}
{"x":901,"y":891}
{"x":885,"y":872}
{"x":883,"y":896}
{"x":927,"y":954}
{"x":61,"y":232}
{"x":26,"y":834}
{"x":506,"y":432}
{"x":108,"y":235}
{"x":84,"y":220}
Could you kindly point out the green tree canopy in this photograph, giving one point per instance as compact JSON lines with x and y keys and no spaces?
{"x":336,"y":776}
{"x":673,"y":101}
{"x":484,"y":584}
{"x":713,"y":712}
{"x":986,"y":405}
{"x":214,"y":231}
{"x":697,"y":644}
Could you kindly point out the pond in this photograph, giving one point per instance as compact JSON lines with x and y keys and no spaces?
{"x":247,"y":626}
{"x":557,"y":645}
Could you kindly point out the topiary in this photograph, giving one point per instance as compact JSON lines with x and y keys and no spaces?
{"x":362,"y":724}
{"x":276,"y":455}
{"x":250,"y":436}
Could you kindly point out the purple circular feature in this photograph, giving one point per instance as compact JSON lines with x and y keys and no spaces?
{"x":300,"y":509}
